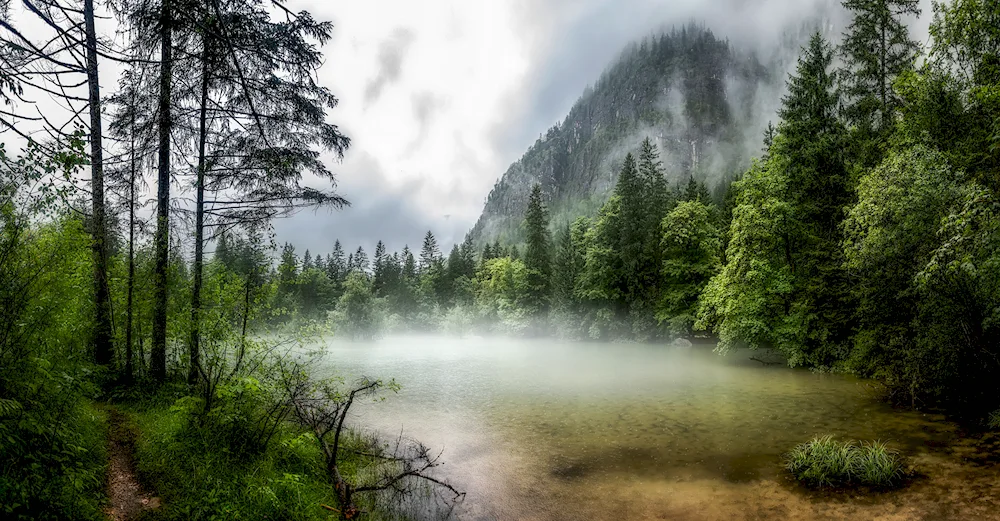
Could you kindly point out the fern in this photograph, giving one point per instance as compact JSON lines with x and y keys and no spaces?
{"x":9,"y":407}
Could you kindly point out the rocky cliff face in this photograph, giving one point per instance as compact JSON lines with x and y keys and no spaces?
{"x":704,"y":103}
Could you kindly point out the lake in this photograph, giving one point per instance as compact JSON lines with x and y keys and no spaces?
{"x":552,"y":430}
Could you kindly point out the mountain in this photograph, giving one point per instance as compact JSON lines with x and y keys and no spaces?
{"x":704,"y":103}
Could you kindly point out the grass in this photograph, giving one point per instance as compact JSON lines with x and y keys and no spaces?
{"x":200,"y":477}
{"x":825,"y":462}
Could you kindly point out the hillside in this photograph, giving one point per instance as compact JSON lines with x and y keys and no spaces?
{"x":704,"y":102}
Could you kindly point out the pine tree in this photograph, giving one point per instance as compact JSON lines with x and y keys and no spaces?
{"x":784,"y":283}
{"x":288,"y":269}
{"x":379,"y":269}
{"x":360,"y":259}
{"x":568,"y":264}
{"x":537,"y":256}
{"x":307,"y":261}
{"x":811,"y":140}
{"x":632,"y":234}
{"x":223,"y":255}
{"x":657,"y":192}
{"x":467,"y":254}
{"x":336,"y":267}
{"x":409,"y":269}
{"x":486,"y":256}
{"x":430,"y":255}
{"x":876,"y":49}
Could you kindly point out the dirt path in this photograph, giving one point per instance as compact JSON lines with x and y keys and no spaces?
{"x":128,"y":499}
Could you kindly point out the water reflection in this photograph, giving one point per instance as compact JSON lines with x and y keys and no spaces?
{"x":554,"y":430}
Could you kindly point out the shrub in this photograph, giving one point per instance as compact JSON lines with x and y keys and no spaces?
{"x":825,"y":462}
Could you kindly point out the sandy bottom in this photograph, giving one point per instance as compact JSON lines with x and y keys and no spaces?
{"x":959,"y":482}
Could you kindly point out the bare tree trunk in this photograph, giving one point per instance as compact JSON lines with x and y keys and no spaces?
{"x":103,"y":348}
{"x":199,"y":219}
{"x":129,"y":368}
{"x":158,"y":354}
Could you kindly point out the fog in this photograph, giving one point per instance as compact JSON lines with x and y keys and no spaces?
{"x":552,"y":430}
{"x":441,"y":98}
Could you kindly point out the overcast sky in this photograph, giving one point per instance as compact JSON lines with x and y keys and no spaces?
{"x":439,"y":97}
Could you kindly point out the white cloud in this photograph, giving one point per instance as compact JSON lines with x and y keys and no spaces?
{"x":421,"y":85}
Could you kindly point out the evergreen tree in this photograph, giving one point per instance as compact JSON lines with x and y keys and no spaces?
{"x":657,"y":192}
{"x":468,"y":256}
{"x":307,"y":261}
{"x":537,"y":256}
{"x":409,"y":271}
{"x":288,"y":269}
{"x":336,"y":266}
{"x":877,"y":48}
{"x":430,"y":255}
{"x":223,"y":254}
{"x":568,"y":264}
{"x":379,"y":269}
{"x":486,"y":255}
{"x":784,"y":284}
{"x":360,"y":260}
{"x":630,"y":246}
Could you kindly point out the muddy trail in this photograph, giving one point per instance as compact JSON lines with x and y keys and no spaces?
{"x":128,"y":498}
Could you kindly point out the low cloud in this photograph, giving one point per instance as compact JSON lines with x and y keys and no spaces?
{"x":390,"y":62}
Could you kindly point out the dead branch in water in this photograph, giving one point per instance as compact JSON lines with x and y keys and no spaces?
{"x":400,"y":469}
{"x":765,"y":362}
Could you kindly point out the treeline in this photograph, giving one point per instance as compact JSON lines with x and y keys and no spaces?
{"x":865,"y":238}
{"x":600,"y":279}
{"x":694,"y":92}
{"x":109,"y":316}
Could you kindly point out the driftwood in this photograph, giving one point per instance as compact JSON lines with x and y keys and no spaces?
{"x":400,"y":468}
{"x":765,"y":362}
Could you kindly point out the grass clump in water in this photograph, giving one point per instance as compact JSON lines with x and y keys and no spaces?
{"x":825,"y":462}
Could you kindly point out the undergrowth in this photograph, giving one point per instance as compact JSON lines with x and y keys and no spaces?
{"x":203,"y":471}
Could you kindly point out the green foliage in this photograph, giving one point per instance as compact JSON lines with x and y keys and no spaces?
{"x":784,"y":285}
{"x":877,"y":49}
{"x":891,"y":233}
{"x":825,"y":462}
{"x":357,"y":315}
{"x":199,"y":479}
{"x":993,"y":420}
{"x":750,"y":300}
{"x":691,"y":257}
{"x":51,"y":442}
{"x":537,"y":256}
{"x":502,"y":294}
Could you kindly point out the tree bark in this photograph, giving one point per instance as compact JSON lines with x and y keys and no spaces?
{"x":158,"y":353}
{"x":103,"y":347}
{"x":199,"y":219}
{"x":129,"y":368}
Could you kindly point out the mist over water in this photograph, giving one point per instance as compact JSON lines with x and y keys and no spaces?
{"x":543,"y":429}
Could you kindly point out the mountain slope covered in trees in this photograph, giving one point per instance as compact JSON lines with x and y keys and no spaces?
{"x":702,"y":100}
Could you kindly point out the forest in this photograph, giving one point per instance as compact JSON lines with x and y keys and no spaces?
{"x":864,"y":238}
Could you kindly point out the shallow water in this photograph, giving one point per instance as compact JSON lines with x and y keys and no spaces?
{"x":541,"y":429}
